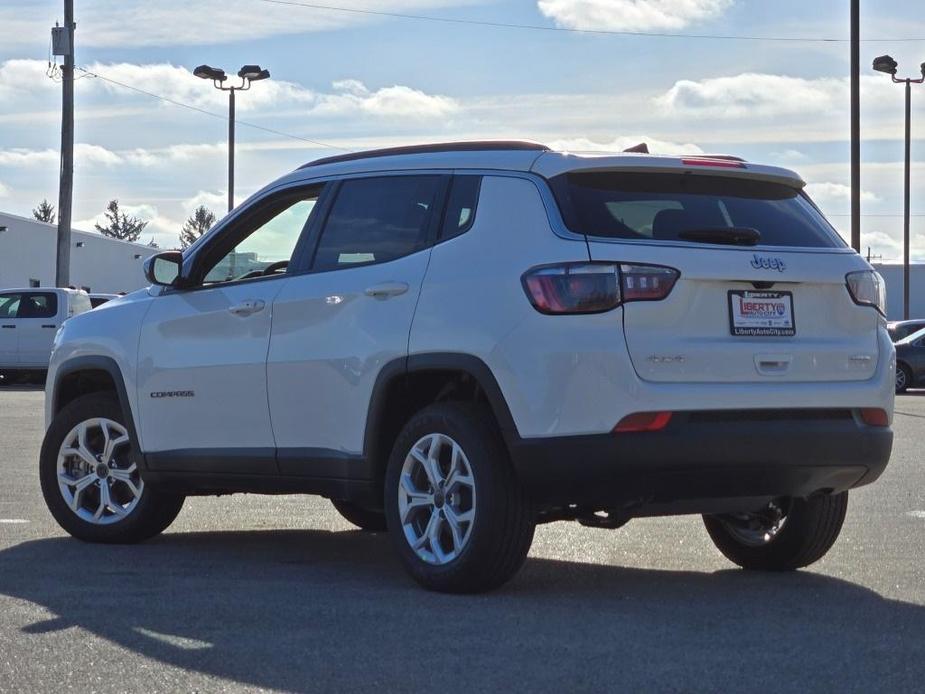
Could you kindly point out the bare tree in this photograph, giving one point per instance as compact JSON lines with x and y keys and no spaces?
{"x":198,"y":223}
{"x":120,"y":225}
{"x":45,"y":212}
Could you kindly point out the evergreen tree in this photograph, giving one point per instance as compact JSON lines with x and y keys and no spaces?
{"x":45,"y":212}
{"x":120,"y":225}
{"x":198,"y":223}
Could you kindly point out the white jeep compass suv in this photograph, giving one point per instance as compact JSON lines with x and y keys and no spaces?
{"x":457,"y":342}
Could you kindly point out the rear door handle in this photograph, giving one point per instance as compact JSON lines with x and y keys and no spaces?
{"x":386,"y":289}
{"x":10,"y":326}
{"x":49,"y":326}
{"x":246,"y":308}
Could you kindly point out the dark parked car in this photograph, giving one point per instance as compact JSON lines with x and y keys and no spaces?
{"x":910,"y":361}
{"x":902,"y":329}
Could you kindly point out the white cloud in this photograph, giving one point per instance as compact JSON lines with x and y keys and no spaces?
{"x":631,"y":15}
{"x":4,"y":190}
{"x":84,"y":154}
{"x":619,"y":144}
{"x":789,"y":156}
{"x":395,"y":101}
{"x":138,"y":23}
{"x":758,"y":95}
{"x":827,"y":192}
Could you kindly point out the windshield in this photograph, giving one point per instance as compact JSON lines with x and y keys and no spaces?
{"x":913,"y":337}
{"x":670,"y":207}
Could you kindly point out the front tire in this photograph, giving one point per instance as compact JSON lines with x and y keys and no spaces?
{"x":91,"y":481}
{"x":457,"y":516}
{"x":784,"y":537}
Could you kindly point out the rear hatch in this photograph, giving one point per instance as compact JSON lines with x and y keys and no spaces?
{"x":761,"y":294}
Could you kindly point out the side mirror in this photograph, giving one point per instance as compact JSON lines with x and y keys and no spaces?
{"x":164,"y":268}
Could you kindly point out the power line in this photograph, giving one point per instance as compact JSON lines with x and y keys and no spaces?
{"x":605,"y":32}
{"x":209,"y":113}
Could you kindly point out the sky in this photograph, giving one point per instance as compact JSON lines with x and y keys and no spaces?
{"x":344,"y":81}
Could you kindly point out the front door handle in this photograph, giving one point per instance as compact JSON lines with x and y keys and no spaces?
{"x":386,"y":289}
{"x":10,"y":326}
{"x":246,"y":308}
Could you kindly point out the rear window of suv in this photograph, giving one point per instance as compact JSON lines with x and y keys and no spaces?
{"x":659,"y":206}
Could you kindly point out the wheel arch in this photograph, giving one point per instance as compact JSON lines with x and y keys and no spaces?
{"x":406,"y":385}
{"x":84,"y":375}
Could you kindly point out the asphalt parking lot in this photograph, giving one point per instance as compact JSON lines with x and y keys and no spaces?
{"x":249,"y":592}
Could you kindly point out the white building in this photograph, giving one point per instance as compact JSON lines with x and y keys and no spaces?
{"x":98,"y":263}
{"x":893,"y":274}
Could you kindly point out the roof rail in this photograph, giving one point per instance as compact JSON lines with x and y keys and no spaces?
{"x":475,"y":146}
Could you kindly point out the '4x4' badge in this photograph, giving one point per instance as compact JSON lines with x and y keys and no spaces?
{"x":760,"y":263}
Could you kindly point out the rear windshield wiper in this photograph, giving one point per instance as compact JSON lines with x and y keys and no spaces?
{"x":734,"y":236}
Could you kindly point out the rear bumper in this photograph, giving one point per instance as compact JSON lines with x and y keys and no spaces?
{"x":706,"y":462}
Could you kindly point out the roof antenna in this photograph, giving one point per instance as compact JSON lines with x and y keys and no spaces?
{"x":641,"y":148}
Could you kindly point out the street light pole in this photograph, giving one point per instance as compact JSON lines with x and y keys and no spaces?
{"x":231,"y":148}
{"x":887,"y":65}
{"x":248,"y":74}
{"x":906,"y":200}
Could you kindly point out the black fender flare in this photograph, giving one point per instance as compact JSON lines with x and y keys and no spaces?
{"x":109,"y":365}
{"x":437,"y":361}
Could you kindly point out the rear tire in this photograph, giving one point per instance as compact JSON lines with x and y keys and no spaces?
{"x":128,"y":510}
{"x":364,"y":519}
{"x":903,"y":378}
{"x":809,"y":529}
{"x":450,"y":491}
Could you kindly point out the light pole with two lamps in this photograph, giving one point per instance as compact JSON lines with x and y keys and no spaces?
{"x":248,"y":74}
{"x":887,"y":65}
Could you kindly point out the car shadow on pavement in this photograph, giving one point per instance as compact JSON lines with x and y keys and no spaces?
{"x":317,"y":610}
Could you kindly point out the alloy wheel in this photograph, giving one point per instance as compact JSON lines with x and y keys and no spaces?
{"x":436,"y":499}
{"x":97,"y":476}
{"x":756,"y":529}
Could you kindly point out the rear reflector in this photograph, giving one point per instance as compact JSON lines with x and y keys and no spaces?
{"x":875,"y":417}
{"x":643,"y":421}
{"x":718,"y":163}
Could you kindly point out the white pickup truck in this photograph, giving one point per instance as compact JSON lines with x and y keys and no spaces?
{"x":29,"y":319}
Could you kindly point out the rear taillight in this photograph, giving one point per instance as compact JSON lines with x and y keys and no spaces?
{"x":647,"y":282}
{"x":867,"y":288}
{"x":569,"y":288}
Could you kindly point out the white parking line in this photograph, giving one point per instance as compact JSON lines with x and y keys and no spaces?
{"x":13,"y":521}
{"x":916,"y":514}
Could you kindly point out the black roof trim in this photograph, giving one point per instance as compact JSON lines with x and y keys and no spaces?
{"x":477,"y":146}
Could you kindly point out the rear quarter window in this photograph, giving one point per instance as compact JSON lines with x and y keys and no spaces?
{"x":659,"y":207}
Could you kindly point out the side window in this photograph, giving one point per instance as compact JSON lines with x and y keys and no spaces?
{"x":38,"y":306}
{"x":9,"y":305}
{"x":374,"y":220}
{"x":460,"y":206}
{"x":270,"y":236}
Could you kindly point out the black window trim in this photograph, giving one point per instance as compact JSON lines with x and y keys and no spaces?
{"x":306,"y":264}
{"x":227,"y":238}
{"x":441,"y":229}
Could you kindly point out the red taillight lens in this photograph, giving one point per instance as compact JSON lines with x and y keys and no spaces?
{"x":573,"y":287}
{"x":643,"y":421}
{"x":647,"y":282}
{"x":875,"y":417}
{"x":595,"y":287}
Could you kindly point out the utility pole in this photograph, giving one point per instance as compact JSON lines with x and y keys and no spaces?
{"x":66,"y":183}
{"x":856,"y":125}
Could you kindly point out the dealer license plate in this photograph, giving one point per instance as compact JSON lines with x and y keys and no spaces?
{"x":764,"y":314}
